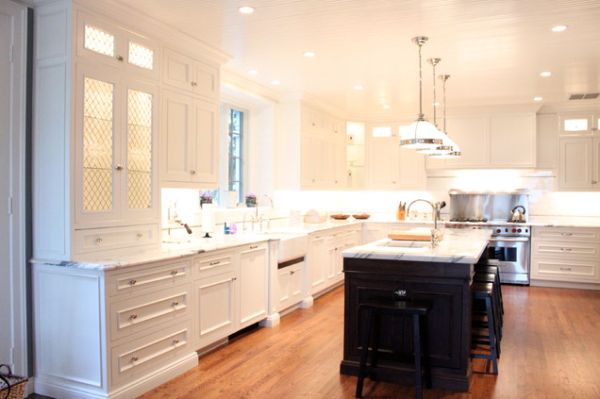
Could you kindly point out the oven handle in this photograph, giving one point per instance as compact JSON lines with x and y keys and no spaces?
{"x":509,"y":239}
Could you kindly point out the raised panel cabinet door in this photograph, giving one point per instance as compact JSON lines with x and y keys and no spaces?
{"x":283,"y":283}
{"x":254,"y":290}
{"x":472,"y":136}
{"x":412,"y":173}
{"x":99,"y":165}
{"x":178,"y":70}
{"x":206,"y":80}
{"x":310,"y":160}
{"x":512,"y":140}
{"x":140,"y":176}
{"x":216,"y":308}
{"x":340,"y":179}
{"x":596,"y":172}
{"x":547,"y":126}
{"x":177,"y":133}
{"x":317,"y":264}
{"x":383,"y":162}
{"x":576,"y":163}
{"x":204,"y":152}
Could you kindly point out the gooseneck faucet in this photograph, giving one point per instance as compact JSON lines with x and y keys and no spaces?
{"x":435,"y":207}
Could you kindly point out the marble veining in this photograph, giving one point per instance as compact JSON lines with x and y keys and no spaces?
{"x":457,"y":246}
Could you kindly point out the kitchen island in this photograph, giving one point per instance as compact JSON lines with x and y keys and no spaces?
{"x":441,"y":277}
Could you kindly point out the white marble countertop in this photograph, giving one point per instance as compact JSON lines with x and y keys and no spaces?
{"x":457,"y":246}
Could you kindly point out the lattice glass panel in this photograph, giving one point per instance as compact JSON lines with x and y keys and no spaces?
{"x":99,"y":41}
{"x":139,"y":149}
{"x":97,"y":145}
{"x":141,"y":56}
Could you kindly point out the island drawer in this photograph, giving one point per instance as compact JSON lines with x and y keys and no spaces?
{"x":144,"y":278}
{"x":144,"y":312}
{"x":566,"y":234}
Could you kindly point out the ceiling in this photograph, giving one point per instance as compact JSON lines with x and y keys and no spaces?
{"x":493,"y":50}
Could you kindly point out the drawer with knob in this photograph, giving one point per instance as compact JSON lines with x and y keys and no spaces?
{"x":214,"y":263}
{"x":578,"y":271}
{"x":144,"y":312}
{"x":140,"y":280}
{"x":96,"y":240}
{"x":135,"y":358}
{"x":566,"y":234}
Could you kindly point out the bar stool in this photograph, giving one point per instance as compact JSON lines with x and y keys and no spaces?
{"x":491,"y":278}
{"x":374,"y":309}
{"x":496,"y":271}
{"x":484,"y":293}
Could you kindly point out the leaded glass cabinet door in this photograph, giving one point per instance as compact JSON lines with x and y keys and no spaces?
{"x":97,"y":162}
{"x":139,"y":180}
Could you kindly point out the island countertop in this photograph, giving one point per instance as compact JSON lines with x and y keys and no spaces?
{"x":457,"y":246}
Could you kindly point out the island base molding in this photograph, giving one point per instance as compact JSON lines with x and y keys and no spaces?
{"x":439,"y":379}
{"x":57,"y":388}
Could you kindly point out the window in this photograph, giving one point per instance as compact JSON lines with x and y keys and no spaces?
{"x":235,"y":151}
{"x":575,"y":125}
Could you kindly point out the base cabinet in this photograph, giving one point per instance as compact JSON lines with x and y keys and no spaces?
{"x":254,"y":284}
{"x":289,"y":281}
{"x":216,"y":310}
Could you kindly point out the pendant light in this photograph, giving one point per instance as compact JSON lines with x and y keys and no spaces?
{"x":420,"y":134}
{"x":446,"y":145}
{"x":454,"y":150}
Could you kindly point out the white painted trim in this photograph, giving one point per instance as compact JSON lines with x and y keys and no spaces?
{"x":564,"y":284}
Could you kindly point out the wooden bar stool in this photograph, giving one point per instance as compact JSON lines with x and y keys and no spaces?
{"x":484,"y":293}
{"x":374,"y":309}
{"x":498,"y":319}
{"x":496,"y":271}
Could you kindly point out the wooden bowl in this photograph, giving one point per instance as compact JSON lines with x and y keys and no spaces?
{"x":340,"y":216}
{"x":361,"y":216}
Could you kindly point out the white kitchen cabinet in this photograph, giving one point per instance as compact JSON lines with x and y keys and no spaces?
{"x":578,"y":163}
{"x":472,"y":136}
{"x":565,"y":254}
{"x":217,"y":306}
{"x":290,"y":285}
{"x":318,"y":259}
{"x":513,"y":140}
{"x":547,"y":141}
{"x":189,"y":141}
{"x":191,"y":75}
{"x":254,"y":284}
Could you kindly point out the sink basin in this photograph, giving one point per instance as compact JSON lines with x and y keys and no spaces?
{"x":291,"y":246}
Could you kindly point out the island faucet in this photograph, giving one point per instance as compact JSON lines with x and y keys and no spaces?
{"x":435,"y":207}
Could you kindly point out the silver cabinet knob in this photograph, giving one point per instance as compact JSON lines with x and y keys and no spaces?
{"x":139,"y":235}
{"x":98,"y":241}
{"x":175,"y":341}
{"x":133,"y":317}
{"x":193,"y":172}
{"x":120,"y":58}
{"x":194,"y":84}
{"x":134,"y":358}
{"x":594,"y":182}
{"x":119,"y":167}
{"x":174,"y":272}
{"x":132,"y":282}
{"x":175,"y":303}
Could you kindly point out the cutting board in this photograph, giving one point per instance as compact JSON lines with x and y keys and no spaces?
{"x":419,"y":234}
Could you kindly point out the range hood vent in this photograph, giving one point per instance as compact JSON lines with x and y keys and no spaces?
{"x":584,"y":96}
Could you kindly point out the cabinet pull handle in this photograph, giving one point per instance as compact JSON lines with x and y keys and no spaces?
{"x":175,"y":303}
{"x":566,"y":269}
{"x":233,"y":278}
{"x":133,"y":316}
{"x":134,"y":359}
{"x":132,"y":282}
{"x":292,"y":272}
{"x":192,"y":172}
{"x":98,"y":241}
{"x":566,"y":234}
{"x":120,"y":58}
{"x":594,"y":182}
{"x":194,"y":84}
{"x":139,"y":235}
{"x":253,"y":246}
{"x":174,"y":272}
{"x":216,"y":262}
{"x":175,"y":341}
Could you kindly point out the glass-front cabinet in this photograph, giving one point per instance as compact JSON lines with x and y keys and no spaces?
{"x":115,"y":138}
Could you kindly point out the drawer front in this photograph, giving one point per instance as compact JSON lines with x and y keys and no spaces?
{"x":146,"y":279}
{"x":146,"y":311}
{"x":214,"y":263}
{"x":141,"y":356}
{"x":585,"y":272}
{"x":567,"y":251}
{"x":94,"y":240}
{"x":565,"y":234}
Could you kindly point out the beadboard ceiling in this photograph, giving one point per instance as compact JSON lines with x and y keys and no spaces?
{"x":493,"y":49}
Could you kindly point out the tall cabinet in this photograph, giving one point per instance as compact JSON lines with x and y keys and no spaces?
{"x":99,"y":81}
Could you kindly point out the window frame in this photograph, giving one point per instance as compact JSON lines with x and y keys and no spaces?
{"x":224,"y":182}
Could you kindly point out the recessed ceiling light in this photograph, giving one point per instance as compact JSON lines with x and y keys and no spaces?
{"x":310,"y":54}
{"x":358,"y":87}
{"x":538,"y":98}
{"x":246,"y":10}
{"x":546,"y":74}
{"x":275,"y":82}
{"x":386,"y":106}
{"x":559,"y":28}
{"x":252,"y":72}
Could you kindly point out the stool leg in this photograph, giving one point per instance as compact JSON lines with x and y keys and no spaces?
{"x":375,"y":339}
{"x":417,"y":352}
{"x":364,"y":341}
{"x":492,"y":333}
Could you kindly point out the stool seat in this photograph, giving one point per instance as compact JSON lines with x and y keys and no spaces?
{"x":481,"y":290}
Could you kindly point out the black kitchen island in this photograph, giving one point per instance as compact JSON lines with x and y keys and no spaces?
{"x":440,"y":277}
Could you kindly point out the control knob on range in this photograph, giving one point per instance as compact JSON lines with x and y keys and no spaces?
{"x":519,"y":230}
{"x":498,"y":230}
{"x":514,"y":230}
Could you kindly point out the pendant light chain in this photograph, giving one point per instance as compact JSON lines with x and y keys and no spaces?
{"x":434,"y":63}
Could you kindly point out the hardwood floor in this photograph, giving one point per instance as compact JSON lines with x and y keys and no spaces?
{"x":551,"y":349}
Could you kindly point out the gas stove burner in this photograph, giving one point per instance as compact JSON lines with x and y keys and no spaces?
{"x":469,"y":220}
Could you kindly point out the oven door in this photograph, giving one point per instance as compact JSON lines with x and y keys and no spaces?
{"x":511,"y":255}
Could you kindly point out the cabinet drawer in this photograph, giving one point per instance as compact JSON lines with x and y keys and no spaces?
{"x":144,"y":279}
{"x":562,"y":271}
{"x":566,"y":234}
{"x":259,"y":246}
{"x":214,"y":263}
{"x":144,"y":312}
{"x":567,"y":251}
{"x":144,"y":355}
{"x":94,"y":240}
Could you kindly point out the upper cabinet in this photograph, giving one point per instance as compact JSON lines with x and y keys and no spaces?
{"x":191,"y":75}
{"x":502,"y":140}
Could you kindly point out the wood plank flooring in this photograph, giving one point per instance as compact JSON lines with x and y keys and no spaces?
{"x":551,"y":349}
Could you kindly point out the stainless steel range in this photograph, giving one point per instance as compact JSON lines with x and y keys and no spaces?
{"x":509,"y":246}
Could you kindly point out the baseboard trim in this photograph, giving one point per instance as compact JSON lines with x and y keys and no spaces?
{"x":150,"y":381}
{"x":564,"y":284}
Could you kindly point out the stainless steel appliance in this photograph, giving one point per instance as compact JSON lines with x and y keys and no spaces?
{"x":509,"y":246}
